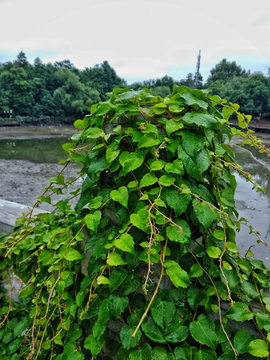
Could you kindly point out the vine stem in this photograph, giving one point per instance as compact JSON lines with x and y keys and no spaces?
{"x":154,"y":295}
{"x":219,"y":305}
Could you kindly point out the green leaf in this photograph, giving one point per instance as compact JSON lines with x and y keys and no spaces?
{"x":177,"y":201}
{"x":21,"y":326}
{"x":166,"y":180}
{"x":192,"y":142}
{"x":116,"y":278}
{"x":93,"y":133}
{"x":74,"y":333}
{"x":199,"y":119}
{"x":160,"y":353}
{"x":26,"y":292}
{"x":163,"y":312}
{"x":159,"y":202}
{"x":175,"y":168}
{"x":58,"y":180}
{"x":72,"y":255}
{"x":204,"y":160}
{"x":175,"y":108}
{"x":92,"y":221}
{"x":190,"y":165}
{"x":46,"y":257}
{"x":117,"y":305}
{"x":93,"y":345}
{"x":130,"y":284}
{"x":239,"y":312}
{"x":143,"y":353}
{"x":95,"y":203}
{"x":14,"y":345}
{"x":263,"y":321}
{"x":218,"y":234}
{"x":258,"y":348}
{"x":195,"y":296}
{"x":182,"y":234}
{"x":151,"y":330}
{"x":249,"y":289}
{"x":157,"y":165}
{"x":115,"y":259}
{"x":190,"y":99}
{"x":132,"y":162}
{"x":176,"y":332}
{"x":213,"y":252}
{"x":172,"y":126}
{"x":125,"y":243}
{"x":183,"y":352}
{"x":178,"y":276}
{"x":232,"y":247}
{"x":141,"y":220}
{"x":203,"y":331}
{"x":241,"y":340}
{"x":195,"y":271}
{"x":148,"y":140}
{"x":111,"y":154}
{"x":127,"y":340}
{"x":103,"y":280}
{"x":148,"y":180}
{"x":120,"y":195}
{"x":204,"y":213}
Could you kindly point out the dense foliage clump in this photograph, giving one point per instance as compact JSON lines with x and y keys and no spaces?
{"x":146,"y":265}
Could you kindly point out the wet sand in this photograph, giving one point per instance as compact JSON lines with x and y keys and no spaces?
{"x":22,"y":181}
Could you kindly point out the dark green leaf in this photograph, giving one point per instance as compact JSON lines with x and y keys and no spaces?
{"x":192,"y":142}
{"x":116,"y":278}
{"x":178,"y":202}
{"x":21,"y":326}
{"x":203,"y":331}
{"x":195,"y":296}
{"x":204,"y":213}
{"x":151,"y":330}
{"x":143,"y":353}
{"x":163,"y":312}
{"x":190,"y":99}
{"x":199,"y":119}
{"x":241,"y":340}
{"x":127,"y":340}
{"x":93,"y":345}
{"x":182,"y":234}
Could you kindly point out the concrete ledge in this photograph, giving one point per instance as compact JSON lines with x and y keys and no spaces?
{"x":9,"y":213}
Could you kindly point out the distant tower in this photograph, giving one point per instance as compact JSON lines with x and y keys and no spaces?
{"x":198,"y":70}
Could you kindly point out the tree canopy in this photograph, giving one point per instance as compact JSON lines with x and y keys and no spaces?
{"x":60,"y":90}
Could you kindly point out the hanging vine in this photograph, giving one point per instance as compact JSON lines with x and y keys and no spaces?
{"x":146,"y":265}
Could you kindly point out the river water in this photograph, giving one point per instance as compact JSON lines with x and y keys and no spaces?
{"x":42,"y":145}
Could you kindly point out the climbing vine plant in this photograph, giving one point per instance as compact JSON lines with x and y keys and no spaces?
{"x":146,"y":265}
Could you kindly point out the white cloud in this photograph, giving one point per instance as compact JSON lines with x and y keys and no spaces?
{"x":140,"y":39}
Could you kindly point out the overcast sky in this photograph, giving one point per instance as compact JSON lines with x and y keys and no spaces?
{"x":141,"y":39}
